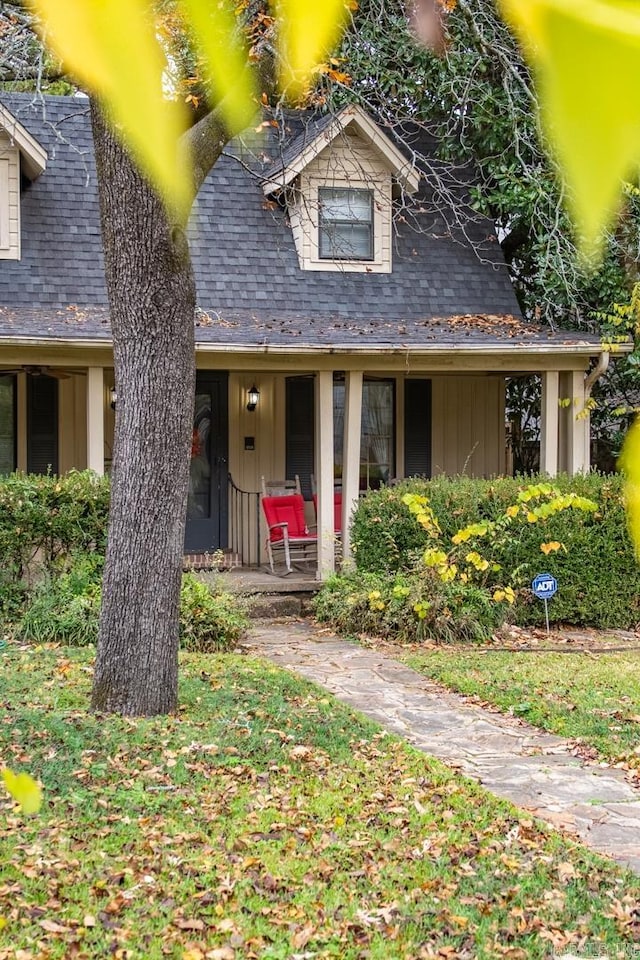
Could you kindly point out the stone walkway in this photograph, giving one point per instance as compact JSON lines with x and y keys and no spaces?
{"x":534,"y":770}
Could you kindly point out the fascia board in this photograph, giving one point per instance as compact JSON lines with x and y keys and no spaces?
{"x":34,"y":156}
{"x":402,"y":169}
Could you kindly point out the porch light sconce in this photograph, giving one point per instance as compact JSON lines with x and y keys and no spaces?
{"x":114,"y":398}
{"x":253,"y":396}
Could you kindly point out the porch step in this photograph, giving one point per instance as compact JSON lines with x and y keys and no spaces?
{"x":268,"y":597}
{"x":274,"y":606}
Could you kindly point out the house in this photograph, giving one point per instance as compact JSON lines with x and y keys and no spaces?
{"x":376,"y":324}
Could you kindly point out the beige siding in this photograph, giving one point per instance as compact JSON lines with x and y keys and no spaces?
{"x":265,"y":425}
{"x":468,"y":426}
{"x":9,"y":200}
{"x":72,"y":424}
{"x":348,"y":161}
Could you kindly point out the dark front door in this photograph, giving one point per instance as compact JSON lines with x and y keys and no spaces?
{"x":207,"y":504}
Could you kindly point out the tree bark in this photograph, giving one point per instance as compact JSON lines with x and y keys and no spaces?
{"x":151,"y":292}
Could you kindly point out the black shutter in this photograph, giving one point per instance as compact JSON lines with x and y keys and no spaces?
{"x":300,"y":427}
{"x":417,"y":428}
{"x":42,"y":424}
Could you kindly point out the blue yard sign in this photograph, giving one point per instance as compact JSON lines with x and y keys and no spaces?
{"x":544,"y":586}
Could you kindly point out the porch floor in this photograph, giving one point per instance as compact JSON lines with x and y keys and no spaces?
{"x":250,"y":580}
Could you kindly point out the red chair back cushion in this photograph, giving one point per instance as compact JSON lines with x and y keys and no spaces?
{"x":289,"y":510}
{"x":337,"y":509}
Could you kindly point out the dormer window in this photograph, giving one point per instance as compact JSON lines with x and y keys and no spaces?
{"x":345,"y":224}
{"x":337,"y":180}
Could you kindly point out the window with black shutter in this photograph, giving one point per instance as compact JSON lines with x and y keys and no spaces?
{"x":7,"y":424}
{"x":42,"y":424}
{"x":300,"y":431}
{"x":417,"y":428}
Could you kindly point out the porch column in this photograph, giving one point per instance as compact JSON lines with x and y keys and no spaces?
{"x":549,"y":422}
{"x":95,"y":419}
{"x":324,"y":473}
{"x":351,"y":454}
{"x":577,"y":456}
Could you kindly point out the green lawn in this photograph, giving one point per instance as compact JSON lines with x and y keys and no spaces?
{"x":593,"y":697}
{"x":268,"y":821}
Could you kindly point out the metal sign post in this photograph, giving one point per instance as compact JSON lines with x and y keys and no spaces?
{"x":544,"y":586}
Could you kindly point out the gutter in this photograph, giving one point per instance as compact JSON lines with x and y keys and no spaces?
{"x":590,"y":381}
{"x":293,"y":349}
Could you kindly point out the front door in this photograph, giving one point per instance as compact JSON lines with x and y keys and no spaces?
{"x":207,"y":504}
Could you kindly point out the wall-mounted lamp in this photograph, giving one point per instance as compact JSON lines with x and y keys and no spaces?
{"x":114,"y":398}
{"x":253,"y":396}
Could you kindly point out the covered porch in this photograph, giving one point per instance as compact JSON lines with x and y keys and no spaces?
{"x":355,"y":417}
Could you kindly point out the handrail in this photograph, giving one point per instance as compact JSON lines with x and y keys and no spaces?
{"x":244,"y":524}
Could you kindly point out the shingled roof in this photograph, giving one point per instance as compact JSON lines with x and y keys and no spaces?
{"x":251,"y":290}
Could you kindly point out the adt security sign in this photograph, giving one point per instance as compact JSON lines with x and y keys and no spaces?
{"x":544,"y":586}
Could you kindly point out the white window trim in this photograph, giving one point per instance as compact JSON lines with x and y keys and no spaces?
{"x":304,"y":216}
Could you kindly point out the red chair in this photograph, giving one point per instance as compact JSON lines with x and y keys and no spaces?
{"x":337,"y":509}
{"x":288,"y":531}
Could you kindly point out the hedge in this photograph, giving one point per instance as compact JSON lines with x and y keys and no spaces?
{"x":597,"y":573}
{"x":43,"y":519}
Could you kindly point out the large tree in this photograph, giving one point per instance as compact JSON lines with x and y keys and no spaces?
{"x":152,"y":300}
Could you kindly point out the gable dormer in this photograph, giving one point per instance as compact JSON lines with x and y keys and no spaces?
{"x":338,"y":181}
{"x":21,"y":157}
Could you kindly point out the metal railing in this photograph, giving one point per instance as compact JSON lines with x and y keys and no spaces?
{"x":244,"y":524}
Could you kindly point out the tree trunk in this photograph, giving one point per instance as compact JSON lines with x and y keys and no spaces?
{"x":152,"y":301}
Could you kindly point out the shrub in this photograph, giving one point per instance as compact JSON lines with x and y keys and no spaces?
{"x":384,"y":536}
{"x":43,"y":520}
{"x":209,"y":621}
{"x":598,"y":576}
{"x":408,"y":607}
{"x":66,"y":609}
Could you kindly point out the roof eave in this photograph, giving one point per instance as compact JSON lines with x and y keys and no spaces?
{"x":403,"y":171}
{"x":34,"y":156}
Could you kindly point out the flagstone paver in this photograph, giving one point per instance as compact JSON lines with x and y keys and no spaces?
{"x":534,"y":770}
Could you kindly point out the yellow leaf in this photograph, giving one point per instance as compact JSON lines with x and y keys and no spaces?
{"x":591,"y":114}
{"x":112,"y":48}
{"x":3,"y":922}
{"x":219,"y":38}
{"x":310,"y":28}
{"x":24,"y":789}
{"x":548,"y":548}
{"x":630,"y":464}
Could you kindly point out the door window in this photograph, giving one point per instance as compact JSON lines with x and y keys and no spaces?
{"x":199,"y":502}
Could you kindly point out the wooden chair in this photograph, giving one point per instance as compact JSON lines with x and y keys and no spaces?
{"x":280,"y":488}
{"x":288,"y":532}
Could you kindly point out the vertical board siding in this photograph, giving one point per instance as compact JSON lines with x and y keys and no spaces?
{"x":468,"y":428}
{"x":9,"y":200}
